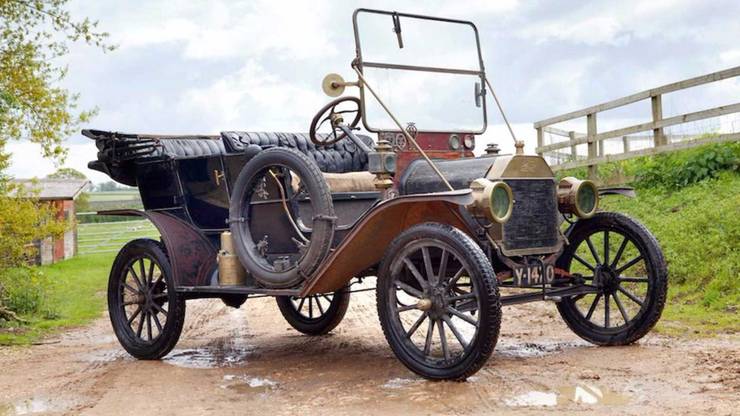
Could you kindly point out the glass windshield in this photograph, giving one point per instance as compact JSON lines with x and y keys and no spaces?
{"x":434,"y":80}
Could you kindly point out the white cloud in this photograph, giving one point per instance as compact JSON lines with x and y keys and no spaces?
{"x":730,"y":57}
{"x":253,"y":97}
{"x":590,"y":31}
{"x":614,"y":23}
{"x":27,"y":162}
{"x":464,"y":10}
{"x":221,"y":29}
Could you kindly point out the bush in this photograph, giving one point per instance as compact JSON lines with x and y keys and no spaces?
{"x":23,"y":219}
{"x":670,"y":171}
{"x":679,"y":169}
{"x":24,"y":291}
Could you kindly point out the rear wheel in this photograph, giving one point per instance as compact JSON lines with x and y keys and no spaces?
{"x":146,"y":312}
{"x":618,"y":256}
{"x":315,"y":314}
{"x":438,"y":302}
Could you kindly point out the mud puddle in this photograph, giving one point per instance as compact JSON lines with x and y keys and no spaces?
{"x":36,"y":405}
{"x":568,"y":395}
{"x":104,"y":356}
{"x":540,"y":349}
{"x":400,"y":383}
{"x":245,"y":384}
{"x":209,"y":357}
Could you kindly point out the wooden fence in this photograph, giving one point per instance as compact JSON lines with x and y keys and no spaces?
{"x":109,"y":237}
{"x":660,"y":142}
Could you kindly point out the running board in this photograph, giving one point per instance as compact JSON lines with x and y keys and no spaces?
{"x":547,"y":294}
{"x":194,"y":292}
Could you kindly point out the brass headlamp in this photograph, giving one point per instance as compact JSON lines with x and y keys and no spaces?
{"x":492,"y":199}
{"x":578,"y":197}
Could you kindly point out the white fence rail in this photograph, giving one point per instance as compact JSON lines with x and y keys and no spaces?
{"x":109,"y":237}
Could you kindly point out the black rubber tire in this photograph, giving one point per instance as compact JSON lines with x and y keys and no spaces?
{"x":163,"y":343}
{"x":316,"y":326}
{"x":322,"y":229}
{"x":490,"y":311}
{"x":657,"y":270}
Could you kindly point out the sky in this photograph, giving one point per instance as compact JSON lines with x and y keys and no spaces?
{"x":188,"y":66}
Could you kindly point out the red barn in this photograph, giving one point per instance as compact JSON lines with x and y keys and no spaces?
{"x":61,"y":194}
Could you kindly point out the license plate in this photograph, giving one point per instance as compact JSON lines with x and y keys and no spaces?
{"x":526,"y":276}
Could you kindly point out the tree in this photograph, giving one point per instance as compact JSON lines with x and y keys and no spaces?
{"x":108,"y":186}
{"x":33,"y":35}
{"x":67,"y":173}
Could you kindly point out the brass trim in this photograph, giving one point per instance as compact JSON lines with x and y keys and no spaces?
{"x":483,"y":191}
{"x":568,"y":190}
{"x":218,"y":175}
{"x":230,"y":270}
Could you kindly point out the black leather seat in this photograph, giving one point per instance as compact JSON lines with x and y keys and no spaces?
{"x":187,"y":148}
{"x":343,"y":156}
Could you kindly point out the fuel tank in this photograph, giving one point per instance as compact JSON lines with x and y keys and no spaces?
{"x":419,"y":178}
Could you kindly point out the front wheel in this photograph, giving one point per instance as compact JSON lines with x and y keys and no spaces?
{"x":623,"y":261}
{"x":146,"y":312}
{"x":438,"y":302}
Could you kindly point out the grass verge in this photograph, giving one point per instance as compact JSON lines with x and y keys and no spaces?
{"x":76,"y":295}
{"x":698,"y":227}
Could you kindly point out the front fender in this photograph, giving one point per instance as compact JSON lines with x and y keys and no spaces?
{"x":365,"y":245}
{"x":626,"y":191}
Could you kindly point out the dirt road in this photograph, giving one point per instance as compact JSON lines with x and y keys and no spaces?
{"x":248,"y":361}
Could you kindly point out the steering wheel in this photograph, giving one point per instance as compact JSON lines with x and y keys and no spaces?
{"x":335,"y":116}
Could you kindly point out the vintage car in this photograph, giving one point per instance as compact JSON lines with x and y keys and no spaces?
{"x":304,"y":217}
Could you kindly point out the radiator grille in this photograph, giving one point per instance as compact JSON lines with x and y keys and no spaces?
{"x":534,"y":221}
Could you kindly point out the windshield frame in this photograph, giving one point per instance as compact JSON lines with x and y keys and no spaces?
{"x":359,"y":64}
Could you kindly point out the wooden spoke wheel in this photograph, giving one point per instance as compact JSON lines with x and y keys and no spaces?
{"x":315,"y":314}
{"x":624,"y":262}
{"x":438,"y":302}
{"x":146,"y":313}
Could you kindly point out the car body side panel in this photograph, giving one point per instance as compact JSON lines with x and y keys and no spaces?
{"x":366,"y":244}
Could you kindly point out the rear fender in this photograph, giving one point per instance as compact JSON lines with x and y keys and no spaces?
{"x":192,"y":256}
{"x":366,"y":244}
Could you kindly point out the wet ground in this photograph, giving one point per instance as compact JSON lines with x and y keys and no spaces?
{"x":249,"y":361}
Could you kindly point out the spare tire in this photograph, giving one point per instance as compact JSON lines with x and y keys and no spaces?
{"x":322,"y":228}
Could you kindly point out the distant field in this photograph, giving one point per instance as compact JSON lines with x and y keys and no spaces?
{"x":104,"y":201}
{"x":114,"y":196}
{"x":107,"y":237}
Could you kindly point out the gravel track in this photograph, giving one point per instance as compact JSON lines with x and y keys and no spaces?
{"x":249,"y":361}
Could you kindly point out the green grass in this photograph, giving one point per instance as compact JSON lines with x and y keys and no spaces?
{"x":698,"y":227}
{"x":76,"y":295}
{"x":75,"y":289}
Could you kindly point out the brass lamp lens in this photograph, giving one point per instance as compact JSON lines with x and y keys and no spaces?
{"x":586,"y":198}
{"x":501,"y":202}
